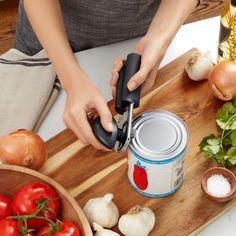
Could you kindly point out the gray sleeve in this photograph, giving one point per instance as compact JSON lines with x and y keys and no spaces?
{"x":26,"y":40}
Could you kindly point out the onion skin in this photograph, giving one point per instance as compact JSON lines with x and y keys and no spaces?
{"x":222,"y":80}
{"x":23,"y":148}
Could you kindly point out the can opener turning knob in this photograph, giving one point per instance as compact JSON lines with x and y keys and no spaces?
{"x":125,"y":102}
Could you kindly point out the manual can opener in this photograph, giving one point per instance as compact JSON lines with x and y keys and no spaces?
{"x":125,"y":102}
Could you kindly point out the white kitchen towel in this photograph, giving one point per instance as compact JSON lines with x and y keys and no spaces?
{"x":28,"y":88}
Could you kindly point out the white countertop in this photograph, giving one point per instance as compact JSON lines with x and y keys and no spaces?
{"x":97,"y":63}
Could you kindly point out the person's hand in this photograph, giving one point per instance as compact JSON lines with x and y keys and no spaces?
{"x":152,"y":51}
{"x":82,"y":98}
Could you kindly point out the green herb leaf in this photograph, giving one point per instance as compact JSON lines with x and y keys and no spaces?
{"x":227,"y":141}
{"x":224,"y":116}
{"x":233,"y":138}
{"x":231,"y":154}
{"x":210,"y":145}
{"x":226,"y":111}
{"x":222,"y":148}
{"x":221,"y":158}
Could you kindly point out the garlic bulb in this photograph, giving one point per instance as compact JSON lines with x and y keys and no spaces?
{"x":199,"y":66}
{"x":102,"y":211}
{"x":100,"y":231}
{"x":137,"y":222}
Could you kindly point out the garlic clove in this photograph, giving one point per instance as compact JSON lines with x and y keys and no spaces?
{"x":199,"y":66}
{"x":100,"y":231}
{"x":137,"y":222}
{"x":102,"y":210}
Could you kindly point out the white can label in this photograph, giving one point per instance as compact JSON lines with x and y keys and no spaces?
{"x":155,"y":179}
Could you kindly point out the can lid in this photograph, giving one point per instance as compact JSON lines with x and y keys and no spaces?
{"x":158,"y":135}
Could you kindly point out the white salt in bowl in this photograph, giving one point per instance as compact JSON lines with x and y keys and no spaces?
{"x":228,"y":175}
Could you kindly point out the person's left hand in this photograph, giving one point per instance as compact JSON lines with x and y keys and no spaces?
{"x":152,"y":51}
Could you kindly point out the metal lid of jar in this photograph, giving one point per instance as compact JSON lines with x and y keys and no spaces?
{"x":158,"y":135}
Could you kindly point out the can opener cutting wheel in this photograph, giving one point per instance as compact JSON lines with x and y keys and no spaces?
{"x":125,"y":102}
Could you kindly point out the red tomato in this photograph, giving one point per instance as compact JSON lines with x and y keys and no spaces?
{"x":5,"y":207}
{"x":9,"y":227}
{"x":67,"y":229}
{"x":28,"y":198}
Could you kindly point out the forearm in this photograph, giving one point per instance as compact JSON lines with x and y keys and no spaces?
{"x":169,"y":18}
{"x":46,"y":19}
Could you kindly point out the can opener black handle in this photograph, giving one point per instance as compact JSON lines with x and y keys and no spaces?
{"x":125,"y":102}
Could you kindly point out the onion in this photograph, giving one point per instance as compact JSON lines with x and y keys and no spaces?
{"x":23,"y":148}
{"x":222,"y":80}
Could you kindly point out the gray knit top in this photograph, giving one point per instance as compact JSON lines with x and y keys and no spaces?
{"x":91,"y":23}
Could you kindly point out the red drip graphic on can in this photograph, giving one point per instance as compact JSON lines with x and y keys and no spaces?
{"x":140,"y":176}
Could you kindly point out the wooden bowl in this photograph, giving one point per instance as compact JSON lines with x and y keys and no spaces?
{"x":227,"y":174}
{"x":12,"y":177}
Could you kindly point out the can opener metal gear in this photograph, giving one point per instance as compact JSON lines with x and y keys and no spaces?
{"x":125,"y":102}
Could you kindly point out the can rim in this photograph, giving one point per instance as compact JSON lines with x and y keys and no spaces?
{"x":179,"y":127}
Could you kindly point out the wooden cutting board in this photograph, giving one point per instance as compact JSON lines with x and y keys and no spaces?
{"x":87,"y":173}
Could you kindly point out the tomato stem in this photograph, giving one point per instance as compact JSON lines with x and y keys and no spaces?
{"x":22,"y":219}
{"x":32,"y":216}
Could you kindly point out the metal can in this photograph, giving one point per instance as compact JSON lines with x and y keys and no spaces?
{"x":156,"y":153}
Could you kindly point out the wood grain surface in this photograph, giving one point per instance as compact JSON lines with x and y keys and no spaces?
{"x":8,"y":16}
{"x":207,"y":9}
{"x":87,"y":173}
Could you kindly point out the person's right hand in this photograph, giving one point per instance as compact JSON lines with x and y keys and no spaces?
{"x":83,"y":97}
